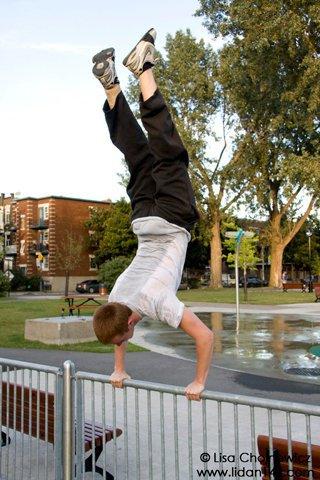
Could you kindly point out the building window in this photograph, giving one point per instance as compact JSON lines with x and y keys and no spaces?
{"x":45,"y":263}
{"x":44,"y":212}
{"x":7,"y":239}
{"x":22,"y":222}
{"x":92,"y":263}
{"x":23,"y":269}
{"x":22,"y":247}
{"x":44,"y":236}
{"x":7,"y":214}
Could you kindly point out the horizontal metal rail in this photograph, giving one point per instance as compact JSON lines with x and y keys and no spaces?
{"x":210,"y":395}
{"x":30,"y":366}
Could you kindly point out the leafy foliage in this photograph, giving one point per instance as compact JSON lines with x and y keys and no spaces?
{"x":33,"y":283}
{"x":247,"y":258}
{"x":68,"y":255}
{"x":297,"y":251}
{"x":269,"y":69}
{"x":111,"y":269}
{"x":19,"y":279}
{"x":4,"y":284}
{"x":112,"y":234}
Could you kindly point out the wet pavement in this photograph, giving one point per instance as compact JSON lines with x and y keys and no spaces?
{"x":159,"y":368}
{"x":267,"y":340}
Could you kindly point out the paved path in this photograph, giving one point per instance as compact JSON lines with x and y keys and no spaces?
{"x":154,"y":367}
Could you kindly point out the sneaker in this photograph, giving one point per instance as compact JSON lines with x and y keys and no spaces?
{"x":141,"y":56}
{"x":104,"y":68}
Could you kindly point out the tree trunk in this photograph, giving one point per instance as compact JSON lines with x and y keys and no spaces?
{"x":66,"y":287}
{"x":276,"y":264}
{"x":245,"y":288}
{"x":276,"y":251}
{"x":216,"y":255}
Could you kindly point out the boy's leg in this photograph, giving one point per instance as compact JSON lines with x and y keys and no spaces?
{"x":174,"y":193}
{"x":127,"y":135}
{"x":174,"y":197}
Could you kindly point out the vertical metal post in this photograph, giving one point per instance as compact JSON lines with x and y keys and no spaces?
{"x":68,"y":421}
{"x":237,"y":280}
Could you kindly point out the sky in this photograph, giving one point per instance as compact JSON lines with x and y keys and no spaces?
{"x":54,"y":140}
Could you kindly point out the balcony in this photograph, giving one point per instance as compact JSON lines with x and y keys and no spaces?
{"x":9,"y":227}
{"x":43,"y":248}
{"x":11,"y":250}
{"x":40,"y":224}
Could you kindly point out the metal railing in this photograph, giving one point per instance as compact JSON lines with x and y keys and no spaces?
{"x":26,"y":397}
{"x":163,"y":434}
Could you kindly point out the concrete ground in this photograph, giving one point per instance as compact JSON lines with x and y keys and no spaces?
{"x":143,"y":454}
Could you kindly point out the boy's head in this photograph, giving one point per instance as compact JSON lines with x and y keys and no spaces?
{"x":111,"y":323}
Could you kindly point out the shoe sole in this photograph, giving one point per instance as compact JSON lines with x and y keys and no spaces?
{"x":103,"y":55}
{"x":142,"y":39}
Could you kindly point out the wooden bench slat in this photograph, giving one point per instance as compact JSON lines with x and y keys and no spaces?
{"x":97,"y":431}
{"x":32,"y":412}
{"x":299,"y":457}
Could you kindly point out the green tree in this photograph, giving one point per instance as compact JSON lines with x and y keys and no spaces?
{"x":111,"y":269}
{"x":112,"y":235}
{"x":187,"y":79}
{"x":297,"y":252}
{"x":68,"y":256}
{"x":270,"y":72}
{"x":4,"y":284}
{"x":247,"y":257}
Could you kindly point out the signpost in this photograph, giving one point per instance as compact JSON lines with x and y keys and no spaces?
{"x":238,"y":235}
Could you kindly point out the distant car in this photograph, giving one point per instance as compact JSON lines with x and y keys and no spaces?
{"x":88,"y":286}
{"x":253,"y":282}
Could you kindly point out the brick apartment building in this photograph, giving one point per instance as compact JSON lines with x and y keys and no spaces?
{"x":40,"y":225}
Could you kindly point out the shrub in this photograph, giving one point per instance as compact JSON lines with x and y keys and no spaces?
{"x":193,"y":282}
{"x":4,"y":284}
{"x":33,"y":283}
{"x":19,"y":280}
{"x":110,"y":270}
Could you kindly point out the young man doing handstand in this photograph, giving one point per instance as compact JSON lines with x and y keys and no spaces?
{"x":163,"y":213}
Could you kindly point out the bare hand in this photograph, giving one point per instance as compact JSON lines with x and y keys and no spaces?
{"x":117,"y":378}
{"x":193,"y":391}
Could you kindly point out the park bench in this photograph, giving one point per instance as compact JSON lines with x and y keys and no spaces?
{"x":78,"y":303}
{"x":294,"y":286}
{"x":281,"y":470}
{"x":23,"y":415}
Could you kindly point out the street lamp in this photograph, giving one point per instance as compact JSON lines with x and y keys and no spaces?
{"x":309,"y":235}
{"x":238,"y":235}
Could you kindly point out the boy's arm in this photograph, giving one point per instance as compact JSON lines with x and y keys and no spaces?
{"x":203,"y":336}
{"x":119,"y":374}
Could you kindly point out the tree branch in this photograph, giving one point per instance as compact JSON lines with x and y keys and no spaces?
{"x":235,"y":198}
{"x":290,"y":201}
{"x":300,"y":222}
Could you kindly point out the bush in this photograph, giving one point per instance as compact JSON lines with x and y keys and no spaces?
{"x":4,"y":284}
{"x":19,"y":280}
{"x":110,"y":270}
{"x":33,"y":283}
{"x":193,"y":282}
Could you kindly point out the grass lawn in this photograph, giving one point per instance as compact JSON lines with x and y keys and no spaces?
{"x":263,"y":296}
{"x":13,"y":314}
